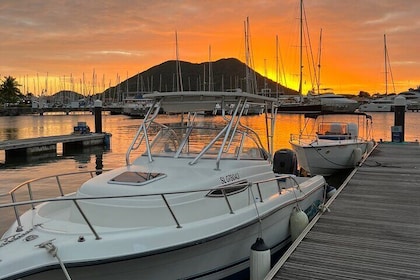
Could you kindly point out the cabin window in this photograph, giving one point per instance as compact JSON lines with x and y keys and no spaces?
{"x":332,"y":129}
{"x":229,"y":189}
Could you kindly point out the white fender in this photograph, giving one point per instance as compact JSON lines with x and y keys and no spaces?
{"x":298,"y":221}
{"x":370,"y":145}
{"x":357,"y":156}
{"x":260,"y":260}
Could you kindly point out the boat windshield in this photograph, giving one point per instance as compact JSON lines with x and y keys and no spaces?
{"x":332,"y":128}
{"x":204,"y":140}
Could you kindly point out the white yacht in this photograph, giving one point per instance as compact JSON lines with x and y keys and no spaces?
{"x":190,"y":202}
{"x":384,"y":104}
{"x":335,"y":103}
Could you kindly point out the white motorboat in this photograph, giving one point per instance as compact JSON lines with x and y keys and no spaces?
{"x":385,"y":104}
{"x":335,"y":145}
{"x":335,"y":103}
{"x":189,"y":204}
{"x":135,"y":107}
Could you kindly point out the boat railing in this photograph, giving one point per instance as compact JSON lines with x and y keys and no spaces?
{"x":309,"y":139}
{"x":302,"y":138}
{"x":224,"y":189}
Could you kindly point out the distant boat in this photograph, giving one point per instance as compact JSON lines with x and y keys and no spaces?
{"x":335,"y":103}
{"x":291,"y":105}
{"x":335,"y":145}
{"x":412,"y":97}
{"x":135,"y":107}
{"x":300,"y":103}
{"x":330,"y":102}
{"x":384,"y":104}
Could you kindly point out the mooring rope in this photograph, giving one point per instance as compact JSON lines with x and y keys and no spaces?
{"x":52,"y":250}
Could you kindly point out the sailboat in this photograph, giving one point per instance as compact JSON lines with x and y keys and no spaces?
{"x":300,"y":104}
{"x":330,"y":102}
{"x":386,"y":103}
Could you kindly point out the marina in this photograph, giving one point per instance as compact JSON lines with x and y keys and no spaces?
{"x":123,"y":128}
{"x":248,"y":162}
{"x":370,"y":230}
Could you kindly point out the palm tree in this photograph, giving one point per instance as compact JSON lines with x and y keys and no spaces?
{"x":9,"y":90}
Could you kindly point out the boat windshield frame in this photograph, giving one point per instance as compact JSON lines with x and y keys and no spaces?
{"x":232,"y":140}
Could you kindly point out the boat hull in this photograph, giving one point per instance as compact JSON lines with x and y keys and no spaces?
{"x":327,"y":159}
{"x":215,"y":257}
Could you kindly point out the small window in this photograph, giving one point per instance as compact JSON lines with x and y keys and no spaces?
{"x":229,"y":189}
{"x":136,"y":178}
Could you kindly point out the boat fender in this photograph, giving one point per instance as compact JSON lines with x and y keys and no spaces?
{"x":260,"y":260}
{"x":298,"y":221}
{"x":370,"y":145}
{"x":330,"y":191}
{"x":357,"y":156}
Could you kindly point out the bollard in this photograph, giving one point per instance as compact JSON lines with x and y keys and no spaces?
{"x":399,"y":115}
{"x":98,"y":116}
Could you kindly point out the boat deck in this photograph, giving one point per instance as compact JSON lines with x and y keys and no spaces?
{"x":372,"y":230}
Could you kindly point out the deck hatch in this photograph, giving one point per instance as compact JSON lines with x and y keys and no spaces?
{"x":136,"y":178}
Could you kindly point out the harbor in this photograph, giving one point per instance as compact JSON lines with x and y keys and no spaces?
{"x":123,"y":128}
{"x":370,"y":227}
{"x":257,"y":146}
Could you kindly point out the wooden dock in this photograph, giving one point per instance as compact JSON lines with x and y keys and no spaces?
{"x":39,"y":145}
{"x":372,"y":230}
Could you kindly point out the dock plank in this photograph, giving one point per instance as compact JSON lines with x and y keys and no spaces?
{"x":373,"y":228}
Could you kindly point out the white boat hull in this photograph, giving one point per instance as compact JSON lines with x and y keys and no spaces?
{"x":328,"y":158}
{"x":214,"y":257}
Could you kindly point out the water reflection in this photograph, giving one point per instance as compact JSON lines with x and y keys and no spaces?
{"x":124,"y":128}
{"x":82,"y":156}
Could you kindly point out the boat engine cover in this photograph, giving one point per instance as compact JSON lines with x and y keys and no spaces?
{"x":285,"y":162}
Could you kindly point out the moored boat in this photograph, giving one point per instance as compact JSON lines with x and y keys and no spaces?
{"x":189,"y":203}
{"x":334,"y":146}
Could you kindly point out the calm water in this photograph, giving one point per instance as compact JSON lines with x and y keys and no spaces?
{"x":123,"y":129}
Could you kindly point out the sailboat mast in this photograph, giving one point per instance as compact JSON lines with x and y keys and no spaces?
{"x":318,"y":82}
{"x":210,"y":71}
{"x":386,"y":66}
{"x":300,"y":48}
{"x":277,"y":66}
{"x":247,"y":74}
{"x":179,"y":86}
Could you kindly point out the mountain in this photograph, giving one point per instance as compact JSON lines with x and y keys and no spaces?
{"x":226,"y":74}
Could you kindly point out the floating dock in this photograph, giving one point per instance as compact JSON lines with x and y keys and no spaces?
{"x":40,"y":145}
{"x":372,"y":228}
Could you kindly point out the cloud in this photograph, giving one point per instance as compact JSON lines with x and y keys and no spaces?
{"x":69,"y":36}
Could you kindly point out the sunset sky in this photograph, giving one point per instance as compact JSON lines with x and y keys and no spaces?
{"x":57,"y":44}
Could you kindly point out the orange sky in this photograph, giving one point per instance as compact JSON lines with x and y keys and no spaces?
{"x":63,"y":39}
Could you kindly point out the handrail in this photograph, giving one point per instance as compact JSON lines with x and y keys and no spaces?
{"x":15,"y":204}
{"x":32,"y":201}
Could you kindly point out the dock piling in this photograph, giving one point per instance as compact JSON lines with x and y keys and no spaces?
{"x":98,"y":116}
{"x":399,"y":119}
